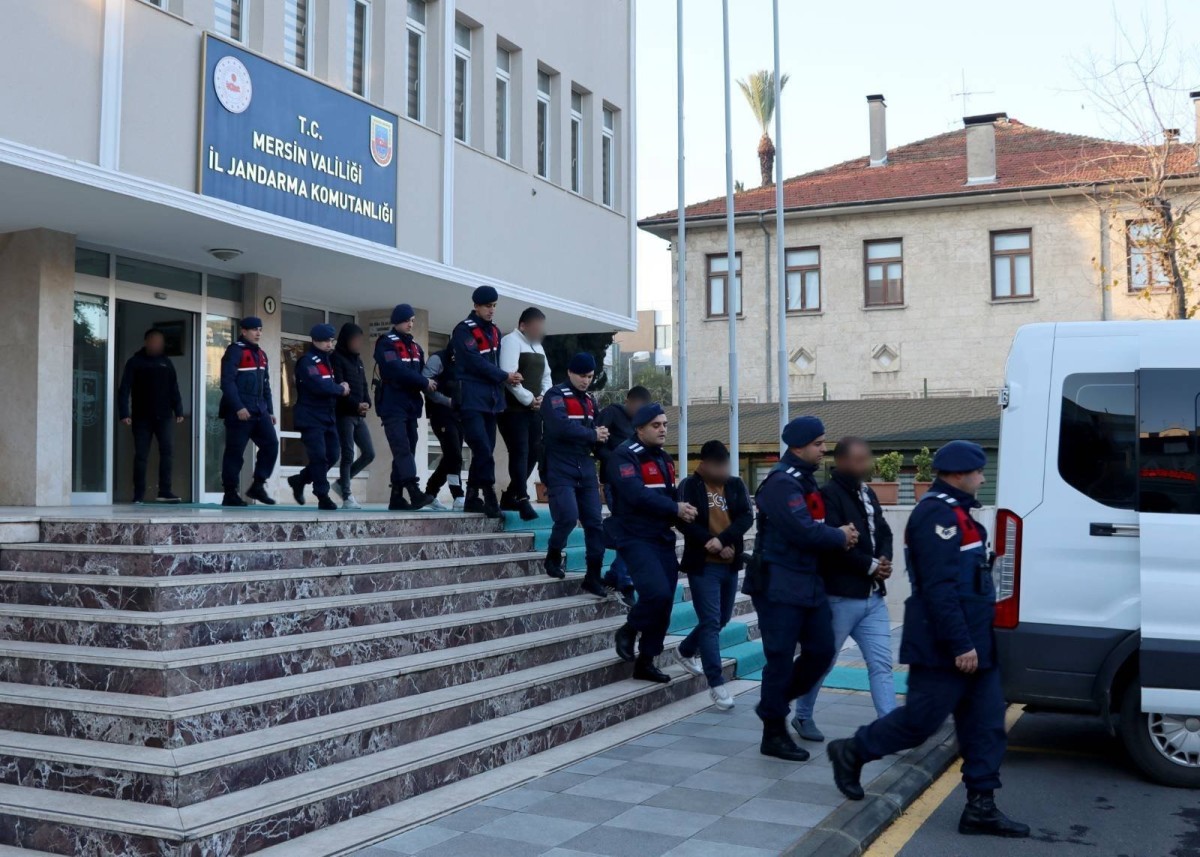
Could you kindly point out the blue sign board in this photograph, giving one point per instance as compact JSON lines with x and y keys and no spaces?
{"x":279,"y":141}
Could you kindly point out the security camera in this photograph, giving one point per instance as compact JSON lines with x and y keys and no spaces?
{"x":225,"y":254}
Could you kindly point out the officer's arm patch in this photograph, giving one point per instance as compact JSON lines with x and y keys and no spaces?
{"x":945,"y":532}
{"x":627,"y":470}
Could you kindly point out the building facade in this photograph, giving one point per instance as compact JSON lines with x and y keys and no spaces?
{"x":909,"y":271}
{"x":183,"y":163}
{"x":633,"y":350}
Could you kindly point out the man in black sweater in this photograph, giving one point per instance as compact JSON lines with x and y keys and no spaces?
{"x":150,"y":380}
{"x":855,"y":579}
{"x":352,"y":411}
{"x":618,"y":419}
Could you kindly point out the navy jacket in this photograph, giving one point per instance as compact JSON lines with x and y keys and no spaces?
{"x":568,"y":434}
{"x":795,"y":533}
{"x":643,"y":484}
{"x":245,"y":381}
{"x":696,"y":534}
{"x":348,"y":367}
{"x":153,"y":386}
{"x":620,"y":429}
{"x":953,"y":603}
{"x":847,"y":573}
{"x":476,"y":345}
{"x":317,"y":391}
{"x":401,"y":364}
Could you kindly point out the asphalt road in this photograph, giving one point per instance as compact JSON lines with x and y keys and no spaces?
{"x":1070,"y":782}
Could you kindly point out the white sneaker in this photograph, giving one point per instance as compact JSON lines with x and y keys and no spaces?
{"x":459,"y":504}
{"x":721,"y":698}
{"x":692,"y":665}
{"x":437,"y":506}
{"x":348,"y":502}
{"x":337,"y":487}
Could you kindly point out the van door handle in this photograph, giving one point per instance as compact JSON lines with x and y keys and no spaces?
{"x":1127,"y":531}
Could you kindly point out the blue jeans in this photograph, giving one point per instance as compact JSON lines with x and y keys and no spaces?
{"x":866,"y":621}
{"x":353,"y":430}
{"x":713,"y":594}
{"x":618,"y":572}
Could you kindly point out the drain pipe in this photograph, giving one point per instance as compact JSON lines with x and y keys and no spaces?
{"x":1105,"y":266}
{"x":767,"y":269}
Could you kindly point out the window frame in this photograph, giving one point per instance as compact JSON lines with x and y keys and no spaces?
{"x":577,"y":142}
{"x":544,"y":130}
{"x":890,"y":260}
{"x":307,"y":30}
{"x":802,"y":270}
{"x":462,"y":54}
{"x":1150,"y":287}
{"x":1011,"y":256}
{"x":365,"y":71}
{"x":736,"y":275}
{"x":665,"y":331}
{"x":243,"y":37}
{"x":504,"y":106}
{"x":608,"y":165}
{"x":413,"y":27}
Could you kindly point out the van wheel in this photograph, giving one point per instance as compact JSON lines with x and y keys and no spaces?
{"x":1166,"y":747}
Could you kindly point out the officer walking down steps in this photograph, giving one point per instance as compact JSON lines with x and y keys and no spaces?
{"x":249,"y":414}
{"x":949,"y":646}
{"x":315,"y":415}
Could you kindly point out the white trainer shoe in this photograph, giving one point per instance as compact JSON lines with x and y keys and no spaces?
{"x":692,"y":665}
{"x":348,"y":502}
{"x":721,"y":698}
{"x":459,"y":504}
{"x":437,"y":506}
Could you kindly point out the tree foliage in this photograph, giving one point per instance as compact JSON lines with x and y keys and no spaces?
{"x":759,"y":89}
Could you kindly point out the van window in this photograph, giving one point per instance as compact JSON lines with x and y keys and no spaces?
{"x":1169,"y":466}
{"x":1097,"y":442}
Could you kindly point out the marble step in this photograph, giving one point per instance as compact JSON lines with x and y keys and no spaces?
{"x":168,"y":560}
{"x":191,"y":718}
{"x":273,"y":813}
{"x":188,"y":527}
{"x":196,"y":591}
{"x":210,"y":626}
{"x":185,"y":671}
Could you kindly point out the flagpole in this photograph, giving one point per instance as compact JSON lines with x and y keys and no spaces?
{"x":681,"y":367}
{"x":731,"y":275}
{"x":780,"y":257}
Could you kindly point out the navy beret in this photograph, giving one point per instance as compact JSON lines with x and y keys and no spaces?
{"x":484,"y":295}
{"x":582,"y":363}
{"x":321,"y":332}
{"x":251,"y":322}
{"x":647,"y":413}
{"x":402,"y":313}
{"x":802,"y":431}
{"x":959,"y":456}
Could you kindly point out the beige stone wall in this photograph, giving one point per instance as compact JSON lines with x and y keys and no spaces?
{"x":950,"y":336}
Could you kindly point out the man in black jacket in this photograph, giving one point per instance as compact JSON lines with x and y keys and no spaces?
{"x":618,"y":419}
{"x":855,"y":579}
{"x":351,"y":410}
{"x":150,"y":380}
{"x":712,"y":557}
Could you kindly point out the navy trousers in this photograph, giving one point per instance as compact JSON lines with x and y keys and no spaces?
{"x":786,"y":676}
{"x":401,"y":433}
{"x":977,"y":703}
{"x":618,"y":574}
{"x":576,"y":499}
{"x":237,"y":434}
{"x":655,"y":572}
{"x":323,"y":447}
{"x":479,"y":431}
{"x":162,"y":430}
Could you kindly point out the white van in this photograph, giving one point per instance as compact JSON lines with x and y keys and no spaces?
{"x":1098,"y":532}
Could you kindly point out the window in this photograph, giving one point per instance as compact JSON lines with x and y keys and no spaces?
{"x":1098,"y":436}
{"x":462,"y":81}
{"x":94,"y":263}
{"x":416,"y":60}
{"x":1169,"y":457}
{"x":543,"y":124}
{"x":503,"y":102}
{"x":296,"y":33}
{"x":576,"y":141}
{"x":884,"y":270}
{"x":358,"y":41}
{"x":1147,"y":264}
{"x":662,"y":336}
{"x":158,"y":276}
{"x":1012,"y":264}
{"x":803,"y":275}
{"x":608,"y":158}
{"x":718,"y":273}
{"x":229,"y":20}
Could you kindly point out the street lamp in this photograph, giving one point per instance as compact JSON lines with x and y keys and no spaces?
{"x":636,"y":357}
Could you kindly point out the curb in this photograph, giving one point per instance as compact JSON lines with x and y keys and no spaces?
{"x":851,"y":828}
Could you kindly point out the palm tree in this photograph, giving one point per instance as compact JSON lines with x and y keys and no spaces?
{"x":759,"y":89}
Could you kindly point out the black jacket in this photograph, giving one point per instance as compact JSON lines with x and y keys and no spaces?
{"x":620,"y":429}
{"x":848,"y":572}
{"x":696,"y":534}
{"x":154,"y":386}
{"x":349,"y":367}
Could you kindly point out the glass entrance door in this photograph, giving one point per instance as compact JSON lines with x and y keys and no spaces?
{"x":90,"y":422}
{"x":220,"y":331}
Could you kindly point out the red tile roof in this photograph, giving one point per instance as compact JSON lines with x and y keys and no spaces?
{"x":1026,"y":158}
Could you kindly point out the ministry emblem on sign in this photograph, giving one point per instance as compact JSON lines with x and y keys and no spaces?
{"x":231,"y":80}
{"x":382,"y":141}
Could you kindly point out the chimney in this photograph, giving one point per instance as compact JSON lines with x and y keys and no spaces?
{"x":981,"y":147}
{"x":878,"y":110}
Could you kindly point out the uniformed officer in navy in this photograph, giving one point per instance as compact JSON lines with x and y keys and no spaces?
{"x":249,"y":415}
{"x":403,"y":385}
{"x":788,"y":592}
{"x":315,"y":415}
{"x":642,"y":475}
{"x":481,"y":382}
{"x":570,"y":437}
{"x":949,"y":646}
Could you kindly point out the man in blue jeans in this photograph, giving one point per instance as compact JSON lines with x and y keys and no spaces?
{"x":855,"y":580}
{"x":712,"y":557}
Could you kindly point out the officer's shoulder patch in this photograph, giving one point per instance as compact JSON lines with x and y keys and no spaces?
{"x":945,"y":532}
{"x":628,"y":470}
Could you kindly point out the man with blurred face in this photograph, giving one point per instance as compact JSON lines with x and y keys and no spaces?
{"x":520,"y":423}
{"x":149,"y":380}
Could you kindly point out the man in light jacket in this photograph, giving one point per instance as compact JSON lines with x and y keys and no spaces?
{"x":520,"y":423}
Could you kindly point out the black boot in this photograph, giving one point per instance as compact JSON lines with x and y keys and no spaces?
{"x":980,"y":817}
{"x":258,"y":491}
{"x":645,"y":670}
{"x":592,"y":584}
{"x":526,"y":510}
{"x":473,"y":504}
{"x":491,"y":506}
{"x":297,"y":485}
{"x":554,"y":564}
{"x":233,"y":498}
{"x":625,"y":639}
{"x":778,"y":743}
{"x":396,"y":502}
{"x":847,"y":768}
{"x":509,"y":500}
{"x":416,"y":498}
{"x":325,"y":504}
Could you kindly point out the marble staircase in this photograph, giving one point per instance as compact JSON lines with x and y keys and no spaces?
{"x":187,"y":686}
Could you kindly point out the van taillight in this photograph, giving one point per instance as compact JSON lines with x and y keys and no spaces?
{"x":1007,"y":571}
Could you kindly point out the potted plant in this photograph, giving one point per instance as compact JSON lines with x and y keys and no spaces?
{"x":924,"y":478}
{"x":887,"y":469}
